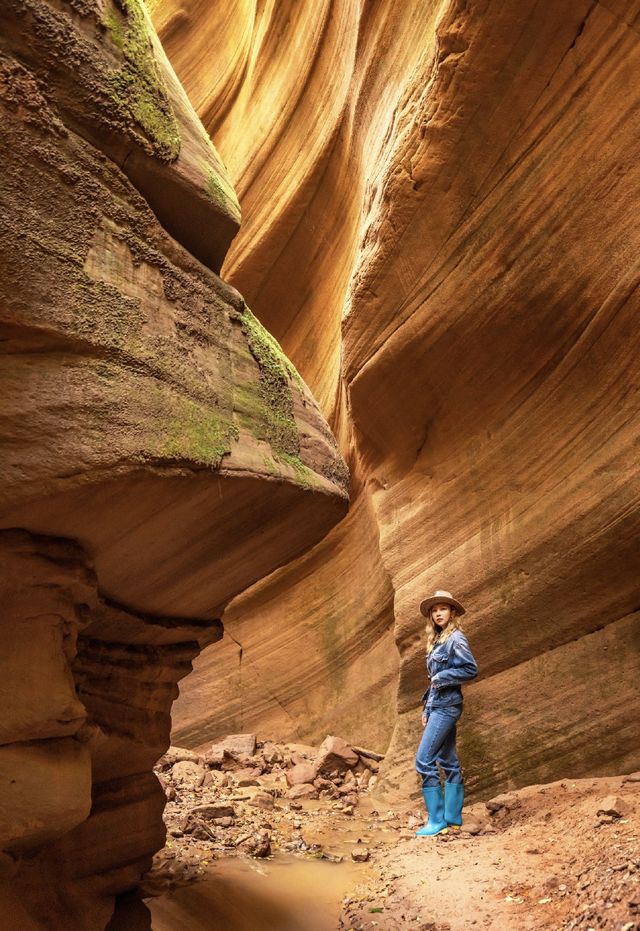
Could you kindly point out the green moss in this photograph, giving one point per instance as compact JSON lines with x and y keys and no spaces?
{"x":115,"y":25}
{"x":219,"y":193}
{"x":195,"y":433}
{"x":273,"y":409}
{"x":270,"y":465}
{"x":214,"y":189}
{"x":304,"y":475}
{"x":137,"y":88}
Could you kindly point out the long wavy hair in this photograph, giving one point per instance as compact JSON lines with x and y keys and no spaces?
{"x":435,"y":633}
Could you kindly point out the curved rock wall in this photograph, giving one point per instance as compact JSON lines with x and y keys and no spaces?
{"x":440,"y":205}
{"x":307,"y":652}
{"x":159,"y":451}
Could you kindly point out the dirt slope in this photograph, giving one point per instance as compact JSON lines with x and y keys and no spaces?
{"x":552,"y":863}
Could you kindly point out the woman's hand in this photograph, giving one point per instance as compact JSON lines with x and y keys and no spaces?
{"x":424,"y":719}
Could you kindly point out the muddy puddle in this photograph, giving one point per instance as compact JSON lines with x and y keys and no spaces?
{"x":262,"y":851}
{"x":282,"y":894}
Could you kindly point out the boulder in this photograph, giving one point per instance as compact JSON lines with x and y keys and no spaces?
{"x":301,"y":773}
{"x":169,"y":871}
{"x":214,"y":757}
{"x":360,"y":854}
{"x":259,"y":845}
{"x":504,"y":801}
{"x":304,"y":790}
{"x":187,"y":774}
{"x":177,"y":755}
{"x":235,"y":762}
{"x":238,"y":744}
{"x":262,"y":800}
{"x":336,"y":756}
{"x":613,"y":807}
{"x":246,"y":781}
{"x":247,"y":772}
{"x":198,"y":828}
{"x":210,"y":812}
{"x":363,"y":778}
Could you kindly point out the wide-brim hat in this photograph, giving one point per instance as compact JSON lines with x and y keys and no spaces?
{"x":440,"y":598}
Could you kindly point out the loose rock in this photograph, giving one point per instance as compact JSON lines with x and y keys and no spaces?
{"x":306,"y":790}
{"x":262,"y":800}
{"x":187,"y":774}
{"x":301,"y":773}
{"x":335,"y":756}
{"x":613,"y":807}
{"x":360,"y":854}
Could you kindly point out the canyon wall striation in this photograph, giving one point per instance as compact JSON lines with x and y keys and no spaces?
{"x":438,"y":228}
{"x":160,"y":453}
{"x":439,"y":225}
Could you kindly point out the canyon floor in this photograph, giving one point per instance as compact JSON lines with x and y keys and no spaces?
{"x":245,"y":856}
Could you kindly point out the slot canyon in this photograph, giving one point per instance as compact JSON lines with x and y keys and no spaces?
{"x":311,"y":308}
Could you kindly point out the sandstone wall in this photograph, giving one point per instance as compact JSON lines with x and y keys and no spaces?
{"x":159,"y":452}
{"x":295,"y":661}
{"x":440,"y":205}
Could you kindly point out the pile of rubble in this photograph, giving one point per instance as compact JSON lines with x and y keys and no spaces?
{"x":243,"y":796}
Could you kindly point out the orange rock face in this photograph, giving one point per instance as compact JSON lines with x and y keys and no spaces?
{"x":307,"y":651}
{"x":440,"y":227}
{"x":159,"y":451}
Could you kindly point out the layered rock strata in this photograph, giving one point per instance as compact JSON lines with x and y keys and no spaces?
{"x":159,"y":452}
{"x":87,"y":690}
{"x":452,"y":187}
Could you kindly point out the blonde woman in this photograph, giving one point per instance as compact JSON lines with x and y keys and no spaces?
{"x":449,"y":664}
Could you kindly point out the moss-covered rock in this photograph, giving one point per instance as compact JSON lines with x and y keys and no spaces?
{"x":137,"y":88}
{"x":273,"y":406}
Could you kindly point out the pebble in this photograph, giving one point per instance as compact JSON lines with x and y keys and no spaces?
{"x":360,"y":854}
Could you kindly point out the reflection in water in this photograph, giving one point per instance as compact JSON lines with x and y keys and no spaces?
{"x":283,"y":894}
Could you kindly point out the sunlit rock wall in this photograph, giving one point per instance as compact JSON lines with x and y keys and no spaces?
{"x":159,"y":451}
{"x":440,"y":207}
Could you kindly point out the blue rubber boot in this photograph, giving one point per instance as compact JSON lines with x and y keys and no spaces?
{"x":434,"y":803}
{"x":453,"y":799}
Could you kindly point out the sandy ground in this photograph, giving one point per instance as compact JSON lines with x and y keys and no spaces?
{"x":553,"y":863}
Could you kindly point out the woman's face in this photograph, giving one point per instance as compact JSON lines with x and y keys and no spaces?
{"x":441,"y":615}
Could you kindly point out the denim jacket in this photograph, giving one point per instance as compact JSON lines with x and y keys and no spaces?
{"x":449,"y":665}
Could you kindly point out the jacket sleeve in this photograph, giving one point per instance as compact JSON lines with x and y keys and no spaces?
{"x":462,"y":666}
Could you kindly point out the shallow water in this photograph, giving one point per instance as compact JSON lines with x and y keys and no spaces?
{"x":281,"y":894}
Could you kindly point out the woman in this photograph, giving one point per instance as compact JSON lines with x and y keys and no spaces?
{"x":449,"y":664}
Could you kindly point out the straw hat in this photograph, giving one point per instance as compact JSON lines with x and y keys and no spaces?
{"x":439,"y":598}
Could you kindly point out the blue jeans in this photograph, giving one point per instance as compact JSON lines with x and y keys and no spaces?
{"x":438,"y":745}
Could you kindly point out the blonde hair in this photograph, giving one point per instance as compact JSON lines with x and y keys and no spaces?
{"x":435,"y":635}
